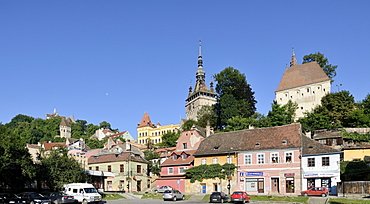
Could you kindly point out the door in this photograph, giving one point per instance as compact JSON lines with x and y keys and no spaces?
{"x":260,"y":185}
{"x":138,"y":185}
{"x":275,"y":185}
{"x":289,"y":185}
{"x":204,"y":188}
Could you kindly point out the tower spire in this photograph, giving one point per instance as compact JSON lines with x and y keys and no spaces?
{"x":293,"y":61}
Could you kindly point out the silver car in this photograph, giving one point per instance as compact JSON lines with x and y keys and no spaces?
{"x":162,"y":189}
{"x":173,"y":195}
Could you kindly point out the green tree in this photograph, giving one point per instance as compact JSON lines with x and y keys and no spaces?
{"x":57,"y":168}
{"x":207,"y":114}
{"x":169,"y":139}
{"x":19,"y":119}
{"x":153,"y":165}
{"x":188,"y":125}
{"x":282,"y":114}
{"x":212,"y":171}
{"x":105,"y":125}
{"x":323,"y":62}
{"x":16,"y":166}
{"x":235,"y":96}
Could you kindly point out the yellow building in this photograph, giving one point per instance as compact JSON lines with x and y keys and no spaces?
{"x":129,"y":169}
{"x":211,"y":185}
{"x":148,"y":131}
{"x":356,"y":153}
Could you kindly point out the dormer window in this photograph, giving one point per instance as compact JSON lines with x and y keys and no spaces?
{"x":258,"y":144}
{"x":284,"y":142}
{"x":184,"y":156}
{"x":216,"y":147}
{"x":174,"y":157}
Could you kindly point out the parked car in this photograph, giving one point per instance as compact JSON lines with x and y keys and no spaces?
{"x":162,"y":189}
{"x":316,"y":191}
{"x":218,"y":197}
{"x":240,"y":197}
{"x":33,"y":198}
{"x":173,"y":195}
{"x":60,"y":198}
{"x":9,"y":198}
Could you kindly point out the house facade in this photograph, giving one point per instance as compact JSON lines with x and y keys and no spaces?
{"x":320,"y":166}
{"x":173,"y":168}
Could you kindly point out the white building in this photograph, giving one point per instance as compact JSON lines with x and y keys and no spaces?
{"x":320,"y":166}
{"x":304,"y":84}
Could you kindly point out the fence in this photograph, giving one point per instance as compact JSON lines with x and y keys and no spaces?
{"x":354,"y":187}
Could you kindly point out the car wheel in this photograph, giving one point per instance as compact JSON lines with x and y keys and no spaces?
{"x":56,"y":201}
{"x":174,"y":198}
{"x":305,"y":194}
{"x":84,"y":202}
{"x":32,"y":202}
{"x":324,"y":195}
{"x":222,"y":200}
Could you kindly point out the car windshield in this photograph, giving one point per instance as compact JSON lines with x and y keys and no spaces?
{"x":237,"y":193}
{"x":90,"y":190}
{"x":35,"y":195}
{"x":167,"y":191}
{"x":216,"y":193}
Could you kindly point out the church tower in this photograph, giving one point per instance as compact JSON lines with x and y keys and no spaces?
{"x":201,"y":95}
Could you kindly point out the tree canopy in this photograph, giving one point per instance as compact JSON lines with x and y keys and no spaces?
{"x":323,"y":62}
{"x":235,"y":96}
{"x":212,"y":171}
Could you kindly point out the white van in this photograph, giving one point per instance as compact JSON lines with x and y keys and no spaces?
{"x":83,"y":192}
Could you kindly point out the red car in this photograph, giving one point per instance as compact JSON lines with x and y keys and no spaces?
{"x":240,"y":197}
{"x":316,"y":191}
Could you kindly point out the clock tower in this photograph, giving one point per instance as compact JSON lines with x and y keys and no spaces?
{"x":201,"y":95}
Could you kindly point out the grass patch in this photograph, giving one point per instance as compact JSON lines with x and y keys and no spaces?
{"x":152,"y":196}
{"x":206,"y":197}
{"x":112,"y":196}
{"x":187,"y":197}
{"x":343,"y":200}
{"x":298,"y":199}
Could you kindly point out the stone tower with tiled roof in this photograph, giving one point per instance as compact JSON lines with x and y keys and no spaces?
{"x":304,"y":84}
{"x":201,"y":95}
{"x":65,"y":128}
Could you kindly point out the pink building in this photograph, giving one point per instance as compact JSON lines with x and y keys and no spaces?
{"x":270,"y":162}
{"x":173,"y":168}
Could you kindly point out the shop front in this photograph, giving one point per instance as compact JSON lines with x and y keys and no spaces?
{"x":328,"y":180}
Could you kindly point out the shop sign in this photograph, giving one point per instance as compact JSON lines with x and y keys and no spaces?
{"x":318,"y":175}
{"x":289,"y":174}
{"x":256,"y":173}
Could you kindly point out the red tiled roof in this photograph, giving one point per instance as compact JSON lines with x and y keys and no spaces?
{"x":300,"y":75}
{"x":49,"y":146}
{"x":104,"y":158}
{"x":145,"y":121}
{"x":281,"y":137}
{"x":310,"y":147}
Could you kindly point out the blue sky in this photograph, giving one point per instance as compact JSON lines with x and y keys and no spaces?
{"x":115,"y":60}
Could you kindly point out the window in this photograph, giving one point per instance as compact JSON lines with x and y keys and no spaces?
{"x":260,"y":158}
{"x":96,"y":168}
{"x":170,"y":170}
{"x":229,"y":159}
{"x":184,"y":145}
{"x":274,"y":157}
{"x":174,"y":157}
{"x":138,"y":168}
{"x":182,"y":170}
{"x":184,"y":156}
{"x":121,"y":168}
{"x":247,"y":159}
{"x":215,"y":160}
{"x":90,"y":168}
{"x":325,"y":161}
{"x":204,"y":161}
{"x":288,"y":156}
{"x":109,"y":168}
{"x":311,"y":162}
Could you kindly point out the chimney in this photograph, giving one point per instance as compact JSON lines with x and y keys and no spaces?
{"x":208,"y":129}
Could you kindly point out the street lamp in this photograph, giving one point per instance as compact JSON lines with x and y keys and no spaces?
{"x":339,"y":86}
{"x":229,"y":173}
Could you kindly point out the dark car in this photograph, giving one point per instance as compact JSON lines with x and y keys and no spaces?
{"x":60,"y":198}
{"x":218,"y":197}
{"x":34,"y":198}
{"x":9,"y":198}
{"x":316,"y":191}
{"x":240,"y":197}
